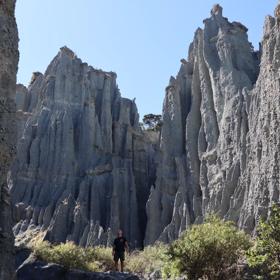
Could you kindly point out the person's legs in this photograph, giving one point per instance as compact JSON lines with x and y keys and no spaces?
{"x":122,"y":261}
{"x":116,"y":260}
{"x":116,"y":266}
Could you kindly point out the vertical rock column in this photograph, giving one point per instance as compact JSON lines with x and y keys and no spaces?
{"x":259,"y":185}
{"x":203,"y":139}
{"x":82,"y":169}
{"x":8,"y":70}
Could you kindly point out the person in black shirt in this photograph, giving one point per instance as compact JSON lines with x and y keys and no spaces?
{"x":119,"y":247}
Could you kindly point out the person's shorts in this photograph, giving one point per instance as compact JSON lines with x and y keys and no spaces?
{"x":119,"y":256}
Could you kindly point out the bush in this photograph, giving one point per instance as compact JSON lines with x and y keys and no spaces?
{"x":206,"y":251}
{"x":72,"y":256}
{"x":264,"y":257}
{"x":152,"y":258}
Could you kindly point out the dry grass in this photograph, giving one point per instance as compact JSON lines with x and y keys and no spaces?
{"x":99,"y":258}
{"x":72,"y":256}
{"x":152,"y":258}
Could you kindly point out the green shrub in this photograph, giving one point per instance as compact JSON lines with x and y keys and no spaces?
{"x":152,"y":258}
{"x":206,"y":251}
{"x":72,"y":256}
{"x":264,"y":257}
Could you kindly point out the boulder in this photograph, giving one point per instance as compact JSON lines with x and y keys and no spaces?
{"x":33,"y":269}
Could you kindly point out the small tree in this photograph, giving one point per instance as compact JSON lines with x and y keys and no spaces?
{"x":153,"y":122}
{"x":264,"y":257}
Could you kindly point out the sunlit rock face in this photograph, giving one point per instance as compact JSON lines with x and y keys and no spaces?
{"x":8,"y":70}
{"x":259,"y":185}
{"x":83,"y":167}
{"x":213,"y":118}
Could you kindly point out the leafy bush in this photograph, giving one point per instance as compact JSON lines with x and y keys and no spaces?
{"x":72,"y":256}
{"x":152,"y":258}
{"x":264,"y":257}
{"x":206,"y":251}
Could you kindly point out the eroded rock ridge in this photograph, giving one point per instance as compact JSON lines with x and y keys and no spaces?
{"x":220,"y":134}
{"x":84,"y":167}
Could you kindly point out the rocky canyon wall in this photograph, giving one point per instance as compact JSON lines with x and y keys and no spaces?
{"x":8,"y":70}
{"x":84,"y":167}
{"x":259,"y":185}
{"x":220,"y":134}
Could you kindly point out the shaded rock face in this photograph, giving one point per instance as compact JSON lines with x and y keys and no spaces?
{"x":83,"y":168}
{"x":8,"y":70}
{"x":208,"y":117}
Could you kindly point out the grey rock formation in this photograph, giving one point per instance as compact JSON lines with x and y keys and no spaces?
{"x":84,"y":168}
{"x":259,"y":184}
{"x":205,"y":135}
{"x":8,"y":70}
{"x":33,"y":269}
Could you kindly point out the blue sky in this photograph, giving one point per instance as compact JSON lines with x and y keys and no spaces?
{"x":141,"y":40}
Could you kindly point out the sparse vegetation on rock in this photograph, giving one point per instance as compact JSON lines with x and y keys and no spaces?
{"x":214,"y":250}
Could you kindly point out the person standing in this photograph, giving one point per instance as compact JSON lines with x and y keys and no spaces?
{"x":119,"y":247}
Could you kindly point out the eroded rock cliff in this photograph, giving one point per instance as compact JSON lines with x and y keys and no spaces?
{"x":259,"y":185}
{"x":218,"y":116}
{"x":8,"y":70}
{"x":84,"y":167}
